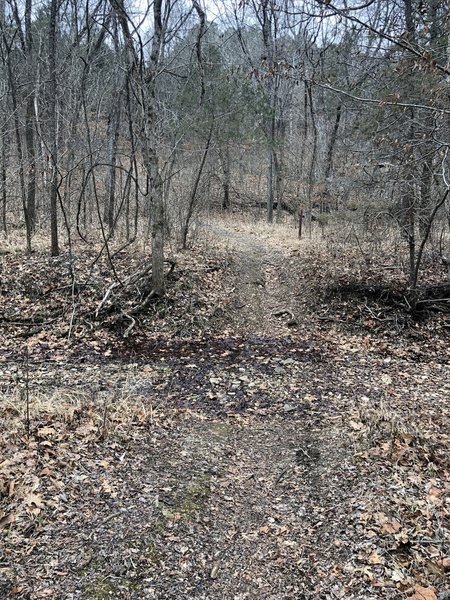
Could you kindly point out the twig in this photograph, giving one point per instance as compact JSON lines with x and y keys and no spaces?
{"x":108,"y":518}
{"x":144,"y":304}
{"x":283,"y":311}
{"x":130,"y":327}
{"x":406,"y":300}
{"x":331,"y":320}
{"x":27,"y":392}
{"x":300,"y":449}
{"x":433,"y":300}
{"x":104,"y":429}
{"x":428,"y":541}
{"x":105,"y":297}
{"x":72,"y":316}
{"x":280,"y":476}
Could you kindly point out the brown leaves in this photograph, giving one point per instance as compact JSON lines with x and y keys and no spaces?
{"x":369,"y":487}
{"x":423,"y":593}
{"x":375,"y":559}
{"x":6,"y":520}
{"x":86,"y":428}
{"x":34,"y":503}
{"x":392,"y":526}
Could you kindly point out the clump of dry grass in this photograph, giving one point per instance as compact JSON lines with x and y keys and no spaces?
{"x":281,"y":235}
{"x":107,"y":412}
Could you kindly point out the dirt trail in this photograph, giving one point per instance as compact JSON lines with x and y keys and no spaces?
{"x":264,"y":286}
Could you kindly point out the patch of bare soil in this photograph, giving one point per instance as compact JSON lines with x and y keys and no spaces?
{"x":274,"y":460}
{"x":265,"y":298}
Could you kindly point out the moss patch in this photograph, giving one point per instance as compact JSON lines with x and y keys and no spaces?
{"x":188,"y":500}
{"x":100,"y":589}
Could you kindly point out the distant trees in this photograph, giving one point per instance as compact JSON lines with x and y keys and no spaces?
{"x":120,"y":123}
{"x":405,"y":104}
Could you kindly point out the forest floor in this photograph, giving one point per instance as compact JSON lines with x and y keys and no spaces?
{"x":245,"y":441}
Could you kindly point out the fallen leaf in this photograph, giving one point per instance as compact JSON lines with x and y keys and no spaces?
{"x":7,"y":520}
{"x":391,"y":526}
{"x":375,"y":559}
{"x":397,"y":575}
{"x":86,"y":428}
{"x":423,"y":593}
{"x":33,"y":499}
{"x":45,"y":431}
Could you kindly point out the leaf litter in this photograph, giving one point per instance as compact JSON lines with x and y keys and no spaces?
{"x":256,"y":460}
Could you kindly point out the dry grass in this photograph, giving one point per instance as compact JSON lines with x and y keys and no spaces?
{"x":109,"y":413}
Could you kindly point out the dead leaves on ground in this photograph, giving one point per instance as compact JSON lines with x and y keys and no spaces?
{"x":400,"y":442}
{"x":406,"y":516}
{"x":50,"y":302}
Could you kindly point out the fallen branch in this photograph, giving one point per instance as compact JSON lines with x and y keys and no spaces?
{"x":283,"y":311}
{"x":433,"y":300}
{"x":105,"y":297}
{"x":138,"y":279}
{"x":130,"y":327}
{"x":143,"y":305}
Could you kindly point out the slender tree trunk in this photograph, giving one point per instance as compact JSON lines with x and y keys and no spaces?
{"x":146,"y":77}
{"x":31,"y":162}
{"x":224,"y":157}
{"x":133,"y":161}
{"x":312,"y":166}
{"x":304,"y":129}
{"x":270,"y":187}
{"x":52,"y":127}
{"x":13,"y":92}
{"x":4,"y":130}
{"x":332,"y":144}
{"x":4,"y":177}
{"x":151,"y":156}
{"x":278,"y":183}
{"x":75,"y":114}
{"x":193,"y":195}
{"x":30,"y":121}
{"x":266,"y":20}
{"x":114,"y":129}
{"x":426,"y":181}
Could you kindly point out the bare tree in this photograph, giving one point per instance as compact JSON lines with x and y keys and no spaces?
{"x":52,"y":125}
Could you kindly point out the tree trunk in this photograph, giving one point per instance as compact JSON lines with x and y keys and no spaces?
{"x":30,"y":122}
{"x":224,"y":157}
{"x":193,"y":195}
{"x":151,"y":156}
{"x":331,"y":145}
{"x":13,"y":91}
{"x":425,"y":193}
{"x":31,"y":162}
{"x":270,"y":187}
{"x":4,"y":131}
{"x":278,"y":184}
{"x":113,"y":131}
{"x":271,"y":91}
{"x":312,"y":166}
{"x":145,"y":77}
{"x":52,"y":127}
{"x":4,"y":177}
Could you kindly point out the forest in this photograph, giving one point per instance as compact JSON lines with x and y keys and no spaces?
{"x":225,"y":299}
